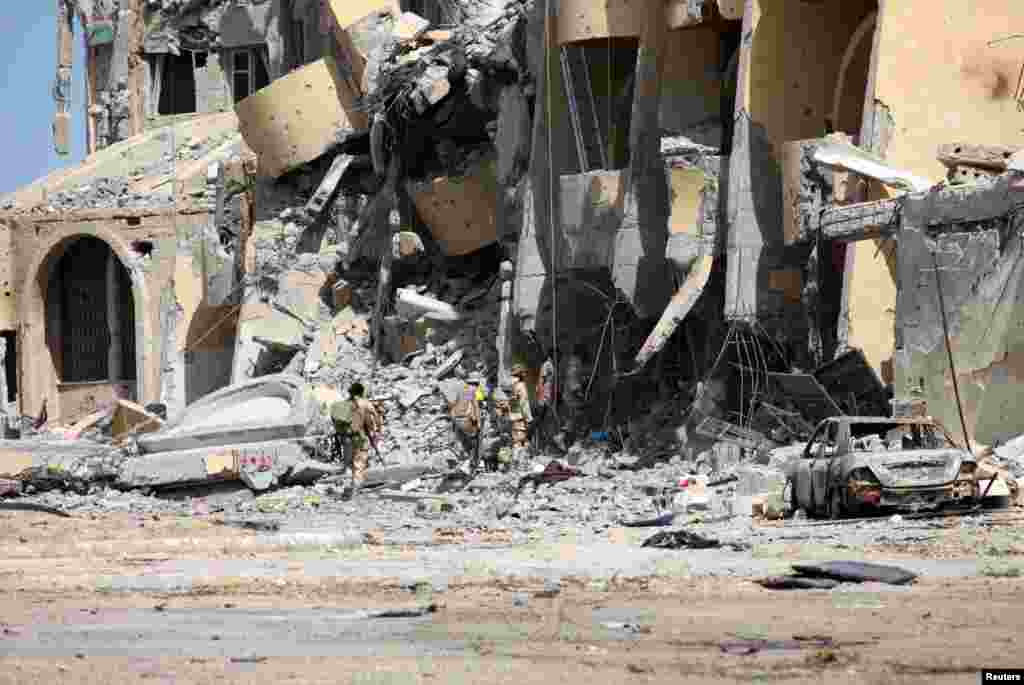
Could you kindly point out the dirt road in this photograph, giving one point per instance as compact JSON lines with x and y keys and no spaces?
{"x":88,"y":600}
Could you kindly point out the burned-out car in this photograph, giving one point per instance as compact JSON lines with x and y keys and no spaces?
{"x":859,"y":465}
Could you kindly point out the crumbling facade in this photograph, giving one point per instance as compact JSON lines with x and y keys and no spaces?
{"x":680,"y":201}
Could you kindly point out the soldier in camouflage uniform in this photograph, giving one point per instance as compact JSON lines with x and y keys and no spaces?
{"x":466,"y":418}
{"x":520,"y":413}
{"x":356,"y":420}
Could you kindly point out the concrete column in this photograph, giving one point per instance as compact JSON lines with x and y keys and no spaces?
{"x":744,"y":242}
{"x":115,"y":360}
{"x":505,"y":321}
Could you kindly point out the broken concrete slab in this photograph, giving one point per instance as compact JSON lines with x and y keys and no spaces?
{"x":14,"y":462}
{"x":432,"y":87}
{"x":186,"y":467}
{"x":361,"y":30}
{"x":993,"y":157}
{"x":261,"y":409}
{"x":328,"y":185}
{"x":461,"y":212}
{"x":834,"y":152}
{"x":850,"y":223}
{"x":410,"y":305}
{"x":63,"y":461}
{"x":133,"y":418}
{"x":262,"y":325}
{"x":299,"y":293}
{"x":294,"y":120}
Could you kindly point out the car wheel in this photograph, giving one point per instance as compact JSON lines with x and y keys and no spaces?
{"x":836,"y":510}
{"x":788,"y":499}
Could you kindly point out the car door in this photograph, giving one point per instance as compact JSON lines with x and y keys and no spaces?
{"x":802,"y":487}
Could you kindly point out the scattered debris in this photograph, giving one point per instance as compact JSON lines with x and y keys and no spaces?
{"x":260,"y":526}
{"x":31,"y":506}
{"x":554,"y":472}
{"x":680,"y":539}
{"x":856,"y":572}
{"x":663,"y":520}
{"x":797,"y":583}
{"x":749,"y":646}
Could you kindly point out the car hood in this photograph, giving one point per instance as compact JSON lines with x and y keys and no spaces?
{"x":912,"y":468}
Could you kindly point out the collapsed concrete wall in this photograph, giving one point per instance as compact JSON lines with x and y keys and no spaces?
{"x":808,"y":71}
{"x":963,"y":244}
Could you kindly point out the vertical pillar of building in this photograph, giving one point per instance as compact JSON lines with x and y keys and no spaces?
{"x":62,"y":83}
{"x":136,"y":68}
{"x":541,"y":204}
{"x":90,"y":97}
{"x":507,"y":271}
{"x":115,"y":358}
{"x":745,"y":242}
{"x":640,"y":242}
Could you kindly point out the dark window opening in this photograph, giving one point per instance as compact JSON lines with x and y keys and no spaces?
{"x":11,"y":364}
{"x":78,"y":309}
{"x":200,"y":60}
{"x":178,"y":90}
{"x":248,"y":73}
{"x":599,"y":79}
{"x":832,"y":266}
{"x":133,"y":221}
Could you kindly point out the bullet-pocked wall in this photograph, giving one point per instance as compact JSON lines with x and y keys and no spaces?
{"x":802,"y":74}
{"x":973,"y":98}
{"x":581,"y":149}
{"x":90,"y":319}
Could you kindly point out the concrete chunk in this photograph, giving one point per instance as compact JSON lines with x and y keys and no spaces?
{"x":265,"y":408}
{"x":411,"y":305}
{"x":410,"y":26}
{"x":130,"y":418}
{"x":294,"y":120}
{"x":432,"y":87}
{"x":461,"y":212}
{"x":225,"y":462}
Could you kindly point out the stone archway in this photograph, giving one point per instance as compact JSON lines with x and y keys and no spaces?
{"x":84,"y":324}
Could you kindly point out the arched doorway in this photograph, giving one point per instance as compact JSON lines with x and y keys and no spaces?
{"x":89,"y":314}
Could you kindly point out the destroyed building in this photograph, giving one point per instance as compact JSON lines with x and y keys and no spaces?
{"x":727,"y":206}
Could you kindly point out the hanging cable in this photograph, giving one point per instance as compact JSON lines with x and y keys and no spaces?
{"x":551,"y":190}
{"x":949,"y":352}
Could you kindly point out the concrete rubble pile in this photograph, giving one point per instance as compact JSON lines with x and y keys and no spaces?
{"x":373,"y":195}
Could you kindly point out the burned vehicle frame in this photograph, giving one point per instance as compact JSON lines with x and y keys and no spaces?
{"x":863,"y":465}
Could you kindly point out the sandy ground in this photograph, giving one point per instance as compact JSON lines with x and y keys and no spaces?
{"x":64,"y":620}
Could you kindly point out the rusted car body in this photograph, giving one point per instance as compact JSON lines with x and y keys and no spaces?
{"x":859,"y":465}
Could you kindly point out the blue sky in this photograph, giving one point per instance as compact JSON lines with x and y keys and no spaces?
{"x":28,"y":54}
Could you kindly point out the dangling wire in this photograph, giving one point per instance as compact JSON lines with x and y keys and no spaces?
{"x":551,"y":191}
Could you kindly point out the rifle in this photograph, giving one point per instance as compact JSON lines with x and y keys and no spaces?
{"x":373,"y":444}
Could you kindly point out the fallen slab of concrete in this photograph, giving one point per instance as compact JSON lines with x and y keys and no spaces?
{"x":262,"y":409}
{"x":187,"y":467}
{"x":58,"y":461}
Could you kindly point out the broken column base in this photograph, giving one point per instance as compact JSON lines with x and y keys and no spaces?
{"x":181,"y":468}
